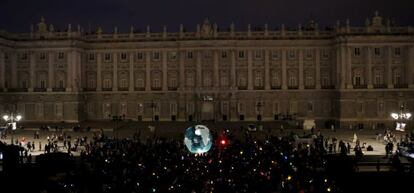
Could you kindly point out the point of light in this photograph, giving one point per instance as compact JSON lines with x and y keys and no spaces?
{"x":328,"y":189}
{"x":6,"y":117}
{"x":223,"y":142}
{"x":289,"y":177}
{"x":18,"y":117}
{"x":394,"y":115}
{"x":197,"y":132}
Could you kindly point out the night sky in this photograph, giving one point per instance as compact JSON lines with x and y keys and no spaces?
{"x":17,"y":15}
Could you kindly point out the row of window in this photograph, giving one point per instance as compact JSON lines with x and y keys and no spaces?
{"x":41,"y":56}
{"x":377,"y":51}
{"x":172,"y":56}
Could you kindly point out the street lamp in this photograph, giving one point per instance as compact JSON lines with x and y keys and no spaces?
{"x":12,"y":119}
{"x":401,"y":119}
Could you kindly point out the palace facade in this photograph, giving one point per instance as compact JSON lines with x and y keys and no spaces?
{"x":347,"y":74}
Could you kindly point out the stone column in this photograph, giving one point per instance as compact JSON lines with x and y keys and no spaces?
{"x":284,"y":70}
{"x":409,"y":67}
{"x":131,"y":72}
{"x":343,"y":67}
{"x":32,"y":71}
{"x":115,"y":73}
{"x":98,"y":71}
{"x":389,"y":68}
{"x":233,"y":69}
{"x":369,"y":68}
{"x":69,"y":70}
{"x":14,"y":70}
{"x":181,"y":69}
{"x":147,"y":71}
{"x":337,"y":73}
{"x":318,"y":68}
{"x":51,"y":71}
{"x":348,"y":71}
{"x":301,"y":69}
{"x":216,"y":69}
{"x":164,"y":71}
{"x":267,"y":70}
{"x":2,"y":70}
{"x":250,"y":69}
{"x":199,"y":79}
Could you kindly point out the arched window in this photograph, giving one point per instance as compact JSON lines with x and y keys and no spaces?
{"x":123,"y":83}
{"x":378,"y":77}
{"x":396,"y":77}
{"x":107,"y":83}
{"x":292,"y":80}
{"x":309,"y":80}
{"x":258,"y":80}
{"x":275,"y":82}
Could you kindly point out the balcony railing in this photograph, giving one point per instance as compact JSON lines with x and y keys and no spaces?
{"x":258,"y":88}
{"x":123,"y":89}
{"x":242,"y":87}
{"x":360,"y":86}
{"x":58,"y":89}
{"x":89,"y":89}
{"x":380,"y":86}
{"x":172,"y":88}
{"x":106,"y":89}
{"x":39,"y":90}
{"x":310,"y":87}
{"x":328,"y":87}
{"x":17,"y":90}
{"x":139,"y":89}
{"x":156,"y":88}
{"x":276,"y":87}
{"x":400,"y":85}
{"x":293,"y":87}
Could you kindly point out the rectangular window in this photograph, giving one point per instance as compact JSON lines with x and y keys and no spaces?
{"x":23,"y":56}
{"x":292,"y":54}
{"x":107,"y":57}
{"x":308,"y":53}
{"x":377,"y":51}
{"x":173,"y":108}
{"x":241,"y":55}
{"x":275,"y":55}
{"x":42,"y":84}
{"x":325,"y":54}
{"x":258,"y":54}
{"x":224,"y":54}
{"x":189,"y":55}
{"x":140,"y":56}
{"x":123,"y":56}
{"x":310,"y":107}
{"x":91,"y":57}
{"x":357,"y":52}
{"x":156,"y":56}
{"x":172,"y":56}
{"x":61,"y":55}
{"x":42,"y":56}
{"x":397,"y":51}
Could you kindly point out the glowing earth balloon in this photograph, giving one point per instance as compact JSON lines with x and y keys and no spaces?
{"x":198,"y":139}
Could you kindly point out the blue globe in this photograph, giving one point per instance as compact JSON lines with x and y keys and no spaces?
{"x":198,"y":139}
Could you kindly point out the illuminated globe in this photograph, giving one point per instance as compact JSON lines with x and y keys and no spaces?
{"x":198,"y":139}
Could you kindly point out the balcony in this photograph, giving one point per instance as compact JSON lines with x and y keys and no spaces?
{"x":123,"y":89}
{"x":379,"y":86}
{"x":156,"y":88}
{"x":328,"y":87}
{"x":293,"y":87}
{"x":276,"y":87}
{"x":310,"y":87}
{"x":258,"y":88}
{"x":400,"y":85}
{"x":58,"y":89}
{"x":89,"y":89}
{"x":39,"y":90}
{"x":242,"y":87}
{"x":139,"y":89}
{"x":17,"y":89}
{"x":172,"y":88}
{"x":363,"y":86}
{"x":106,"y":89}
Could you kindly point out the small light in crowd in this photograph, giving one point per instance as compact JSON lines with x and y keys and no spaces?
{"x":326,"y":180}
{"x":328,"y":189}
{"x":241,"y":152}
{"x":289,"y":177}
{"x":223,"y":142}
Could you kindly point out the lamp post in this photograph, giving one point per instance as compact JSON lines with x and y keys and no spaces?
{"x":12,"y":120}
{"x":401,"y":119}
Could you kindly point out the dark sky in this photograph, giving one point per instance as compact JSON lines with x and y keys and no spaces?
{"x":17,"y":15}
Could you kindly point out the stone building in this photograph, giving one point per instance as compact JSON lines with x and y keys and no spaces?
{"x":343,"y":73}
